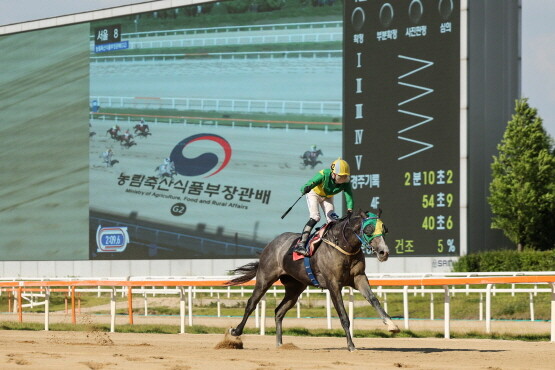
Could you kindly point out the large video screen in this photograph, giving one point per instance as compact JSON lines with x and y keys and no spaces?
{"x":186,"y":133}
{"x":402,"y":119}
{"x":206,"y":121}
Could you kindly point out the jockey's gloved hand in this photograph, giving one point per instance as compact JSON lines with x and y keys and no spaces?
{"x":307,"y":190}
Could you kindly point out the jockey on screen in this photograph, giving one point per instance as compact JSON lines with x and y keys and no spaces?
{"x":319,"y":191}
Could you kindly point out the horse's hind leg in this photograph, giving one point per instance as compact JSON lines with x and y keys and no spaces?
{"x":262,"y":285}
{"x":293,"y":290}
{"x":362,"y":285}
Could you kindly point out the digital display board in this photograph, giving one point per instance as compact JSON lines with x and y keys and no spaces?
{"x":402,"y":119}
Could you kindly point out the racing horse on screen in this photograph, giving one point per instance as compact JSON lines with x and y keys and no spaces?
{"x":338,"y":262}
{"x":310,"y":158}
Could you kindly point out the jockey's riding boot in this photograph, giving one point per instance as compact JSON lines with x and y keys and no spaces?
{"x":300,"y":247}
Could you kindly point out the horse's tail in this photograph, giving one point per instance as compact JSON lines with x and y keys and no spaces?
{"x":249,"y":272}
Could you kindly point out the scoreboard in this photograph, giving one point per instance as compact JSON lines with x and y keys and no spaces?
{"x":401,"y":93}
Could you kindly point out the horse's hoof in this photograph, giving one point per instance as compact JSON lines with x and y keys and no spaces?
{"x":393,"y":329}
{"x":352,"y":349}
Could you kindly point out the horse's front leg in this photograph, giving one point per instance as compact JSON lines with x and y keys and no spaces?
{"x":362,"y":285}
{"x":335,"y":294}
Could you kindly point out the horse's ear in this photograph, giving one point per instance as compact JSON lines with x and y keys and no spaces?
{"x":379,"y":212}
{"x":362,"y":214}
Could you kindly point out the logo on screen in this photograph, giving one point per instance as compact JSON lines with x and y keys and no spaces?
{"x":111,"y":239}
{"x":204,"y":163}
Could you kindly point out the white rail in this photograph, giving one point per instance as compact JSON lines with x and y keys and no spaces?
{"x":326,"y":108}
{"x":237,"y":40}
{"x":239,"y":55}
{"x":447,"y":290}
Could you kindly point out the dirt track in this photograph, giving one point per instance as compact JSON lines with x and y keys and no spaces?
{"x":96,"y":350}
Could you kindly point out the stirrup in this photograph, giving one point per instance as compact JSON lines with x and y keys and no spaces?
{"x":300,"y":250}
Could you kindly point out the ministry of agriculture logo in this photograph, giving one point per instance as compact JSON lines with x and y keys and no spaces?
{"x":204,"y":163}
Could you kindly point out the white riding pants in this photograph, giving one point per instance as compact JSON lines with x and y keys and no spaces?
{"x":314,"y":200}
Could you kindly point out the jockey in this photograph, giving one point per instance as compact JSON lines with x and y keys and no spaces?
{"x":320,"y":190}
{"x":167,"y":160}
{"x":107,"y":156}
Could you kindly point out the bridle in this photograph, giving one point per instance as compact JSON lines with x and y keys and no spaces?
{"x":372,"y":220}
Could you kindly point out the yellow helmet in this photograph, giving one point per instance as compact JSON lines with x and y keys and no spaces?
{"x":340,"y":167}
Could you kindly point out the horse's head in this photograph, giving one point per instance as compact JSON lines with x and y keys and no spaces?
{"x":372,"y":231}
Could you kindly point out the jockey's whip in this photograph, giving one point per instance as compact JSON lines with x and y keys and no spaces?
{"x":290,"y":208}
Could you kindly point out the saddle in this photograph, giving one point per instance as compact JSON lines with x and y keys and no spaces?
{"x":313,"y":241}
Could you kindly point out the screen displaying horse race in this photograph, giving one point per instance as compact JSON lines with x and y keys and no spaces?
{"x":186,"y":133}
{"x":206,"y":124}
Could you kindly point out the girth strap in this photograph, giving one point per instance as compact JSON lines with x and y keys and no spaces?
{"x":311,"y":276}
{"x":340,"y":249}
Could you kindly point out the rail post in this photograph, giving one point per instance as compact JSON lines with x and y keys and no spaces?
{"x":351,"y":311}
{"x":219,"y":304}
{"x":328,"y":308}
{"x":73,"y":318}
{"x":113,"y":310}
{"x":46,"y":309}
{"x":488,"y":308}
{"x":182,"y":308}
{"x":19,"y":304}
{"x":145,"y":301}
{"x":406,"y":306}
{"x":431,"y":306}
{"x":190,"y":304}
{"x":130,"y":304}
{"x":447,"y":313}
{"x":552,"y":312}
{"x":532,"y":316}
{"x":263,"y":315}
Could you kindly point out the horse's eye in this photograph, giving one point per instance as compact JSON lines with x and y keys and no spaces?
{"x":369,"y":230}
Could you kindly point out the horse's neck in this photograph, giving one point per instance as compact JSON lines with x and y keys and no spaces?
{"x":343,"y":234}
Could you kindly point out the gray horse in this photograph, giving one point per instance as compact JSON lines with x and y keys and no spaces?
{"x":166,"y":170}
{"x":338,"y":262}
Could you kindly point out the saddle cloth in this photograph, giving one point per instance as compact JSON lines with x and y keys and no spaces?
{"x":313,"y":242}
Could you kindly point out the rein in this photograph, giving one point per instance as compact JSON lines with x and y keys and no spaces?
{"x":341,"y":249}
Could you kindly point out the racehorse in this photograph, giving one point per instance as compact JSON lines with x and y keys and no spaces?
{"x":114,"y":133}
{"x":143,"y":130}
{"x":338,"y":262}
{"x":107,"y":158}
{"x":310,"y":158}
{"x":127,"y":142}
{"x":166,"y":170}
